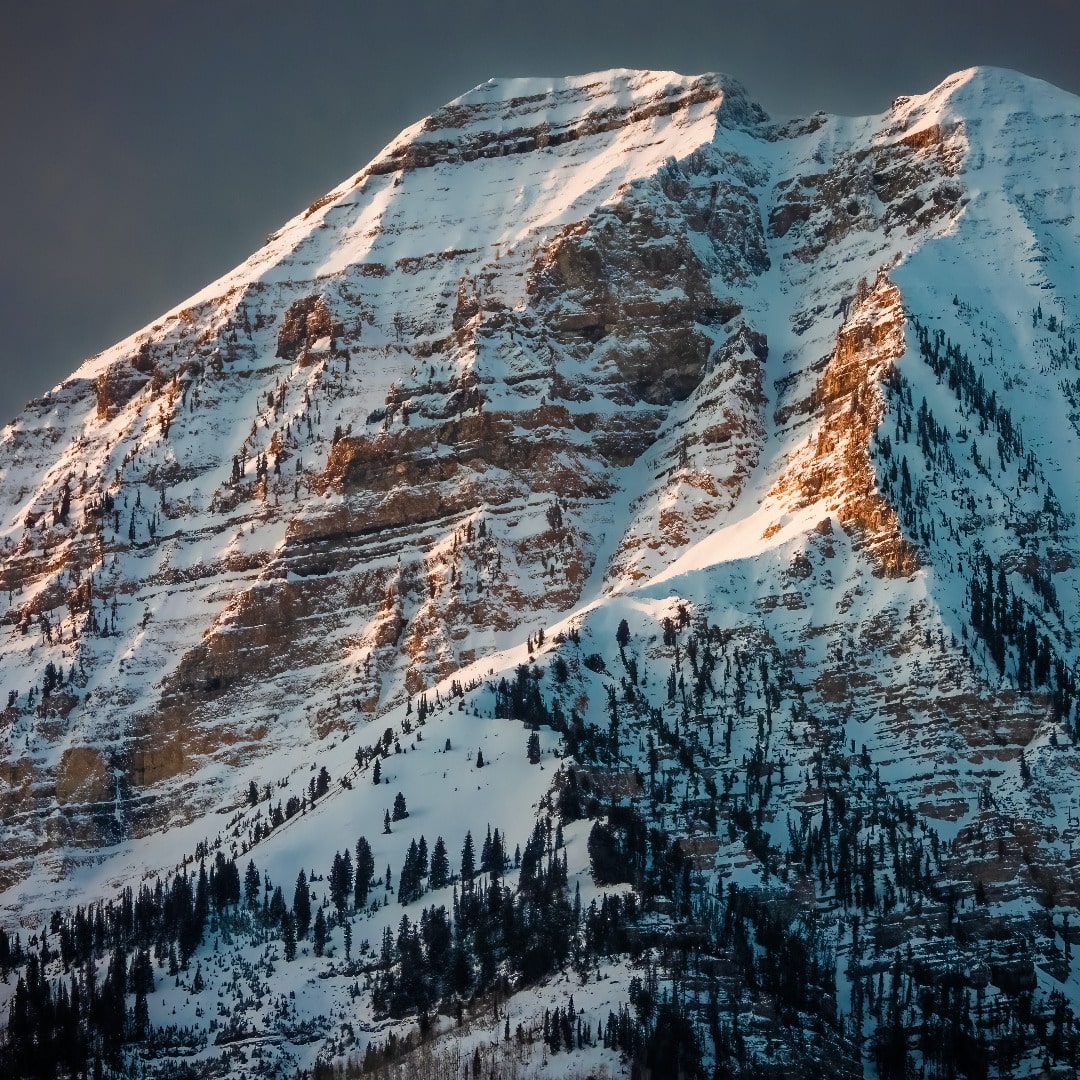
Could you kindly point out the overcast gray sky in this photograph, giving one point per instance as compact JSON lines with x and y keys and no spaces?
{"x":147,"y":146}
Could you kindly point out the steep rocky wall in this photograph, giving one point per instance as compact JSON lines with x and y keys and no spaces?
{"x":835,"y":469}
{"x":598,"y":389}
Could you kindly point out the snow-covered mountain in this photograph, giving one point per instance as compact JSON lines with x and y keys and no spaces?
{"x":734,"y":457}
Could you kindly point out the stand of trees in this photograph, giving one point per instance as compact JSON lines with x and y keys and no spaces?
{"x":77,"y":1025}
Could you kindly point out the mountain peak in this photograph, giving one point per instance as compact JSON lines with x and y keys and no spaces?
{"x":988,"y":94}
{"x":509,"y":116}
{"x":688,"y":498}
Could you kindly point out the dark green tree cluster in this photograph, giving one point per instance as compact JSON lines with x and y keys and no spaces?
{"x":521,"y":699}
{"x":415,"y":869}
{"x":74,"y":1024}
{"x":965,"y":380}
{"x":492,"y":929}
{"x":1004,"y":622}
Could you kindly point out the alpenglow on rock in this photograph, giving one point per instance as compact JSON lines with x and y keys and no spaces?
{"x":799,"y":401}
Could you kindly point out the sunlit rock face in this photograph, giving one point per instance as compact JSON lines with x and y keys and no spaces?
{"x":263,"y":489}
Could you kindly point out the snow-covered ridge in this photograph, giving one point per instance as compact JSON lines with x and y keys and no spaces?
{"x":511,"y":116}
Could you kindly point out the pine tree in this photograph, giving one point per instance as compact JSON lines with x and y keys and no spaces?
{"x":468,"y":858}
{"x":141,"y":976}
{"x":440,"y":865}
{"x":365,"y":871}
{"x":341,"y":880}
{"x":288,"y":935}
{"x":252,"y":881}
{"x":301,"y":908}
{"x":400,"y":811}
{"x":318,"y":934}
{"x":277,"y":907}
{"x":376,"y":772}
{"x":140,"y":1023}
{"x":410,"y":885}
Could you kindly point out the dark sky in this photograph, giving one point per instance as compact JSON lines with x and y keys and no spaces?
{"x":148,"y":146}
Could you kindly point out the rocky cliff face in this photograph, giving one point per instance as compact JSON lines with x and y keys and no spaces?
{"x":404,"y":394}
{"x":565,"y":351}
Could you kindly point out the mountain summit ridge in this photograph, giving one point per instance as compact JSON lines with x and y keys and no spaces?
{"x":569,"y":356}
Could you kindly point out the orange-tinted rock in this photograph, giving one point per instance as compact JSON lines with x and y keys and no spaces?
{"x":84,"y":776}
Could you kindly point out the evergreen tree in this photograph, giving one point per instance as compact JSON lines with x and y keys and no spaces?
{"x":277,"y":907}
{"x":224,"y":883}
{"x":301,"y":908}
{"x":410,"y":884}
{"x":252,"y":882}
{"x":140,"y":1019}
{"x":318,"y":933}
{"x":288,"y":933}
{"x":341,"y":880}
{"x":365,"y":871}
{"x":202,"y":895}
{"x":468,"y":858}
{"x":141,"y":976}
{"x":376,"y":772}
{"x":440,"y":865}
{"x":399,"y":808}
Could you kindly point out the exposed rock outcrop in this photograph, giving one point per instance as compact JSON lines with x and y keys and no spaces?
{"x":835,"y":469}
